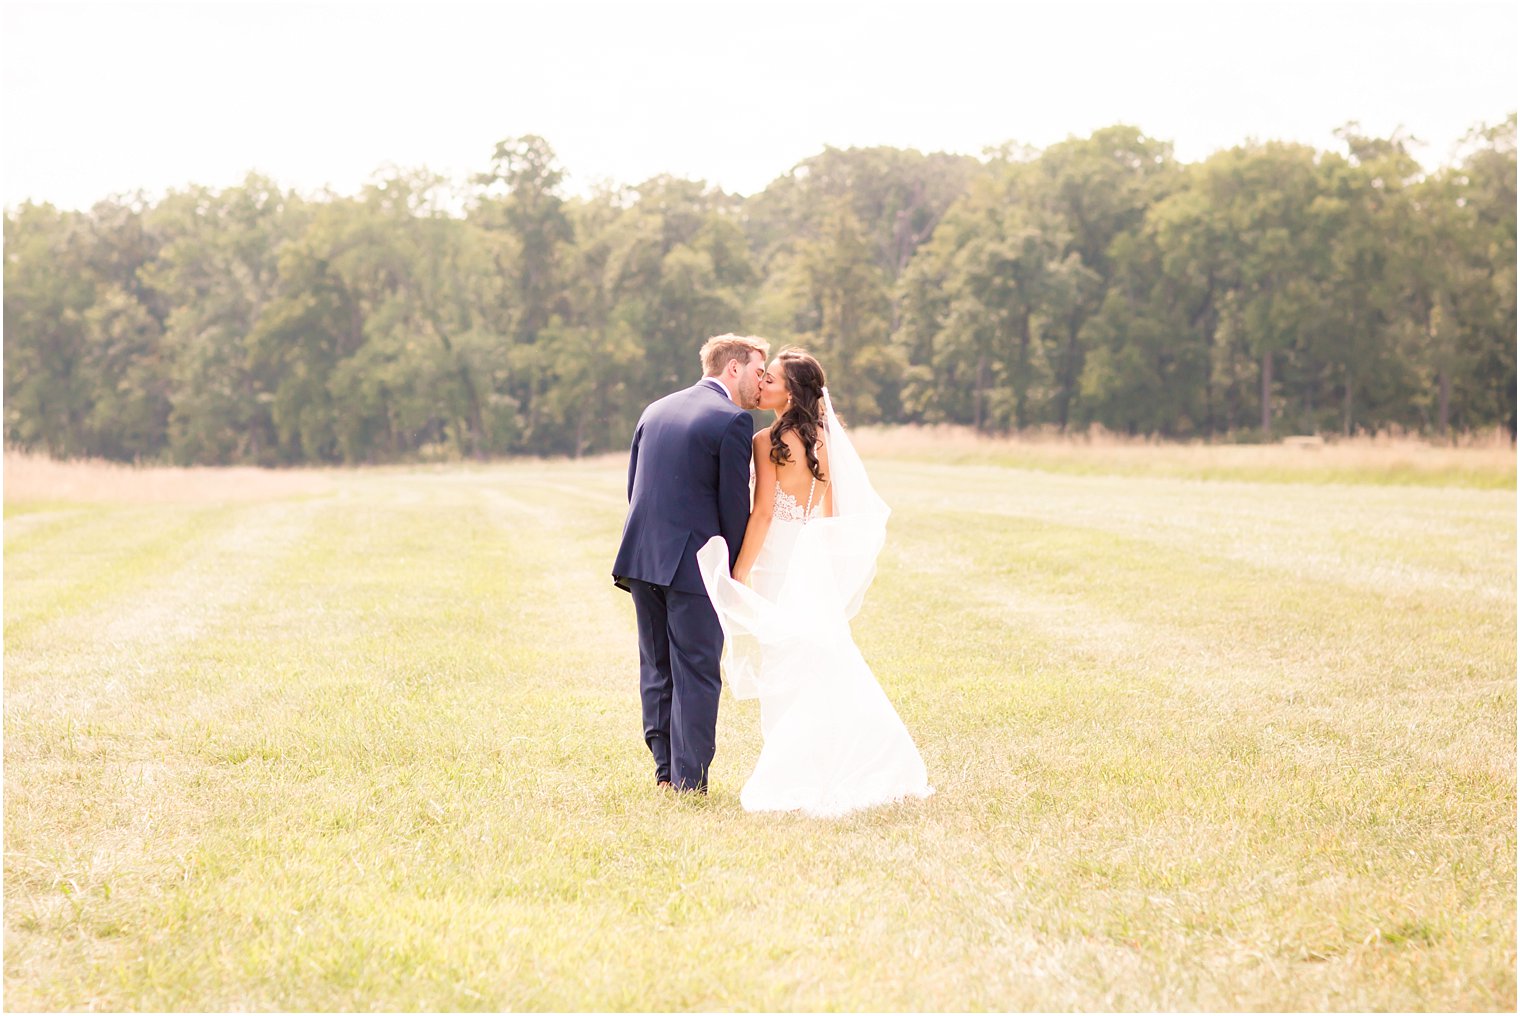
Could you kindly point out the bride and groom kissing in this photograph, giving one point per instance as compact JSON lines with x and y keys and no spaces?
{"x":759,"y":589}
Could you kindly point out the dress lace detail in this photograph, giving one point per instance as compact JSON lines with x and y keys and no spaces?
{"x":788,"y":509}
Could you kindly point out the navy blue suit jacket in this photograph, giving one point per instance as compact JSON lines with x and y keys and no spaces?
{"x":688,"y":481}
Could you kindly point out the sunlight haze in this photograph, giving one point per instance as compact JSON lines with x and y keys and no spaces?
{"x":103,"y":99}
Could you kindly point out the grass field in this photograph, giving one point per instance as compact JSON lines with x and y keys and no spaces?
{"x":370,"y":740}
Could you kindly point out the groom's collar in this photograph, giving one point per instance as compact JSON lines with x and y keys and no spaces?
{"x":717,"y":386}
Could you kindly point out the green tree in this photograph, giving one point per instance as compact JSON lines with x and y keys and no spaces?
{"x":1099,"y":188}
{"x":218,"y":270}
{"x":49,"y":293}
{"x":522,"y":200}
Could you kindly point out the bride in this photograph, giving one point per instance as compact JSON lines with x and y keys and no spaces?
{"x":833,"y":742}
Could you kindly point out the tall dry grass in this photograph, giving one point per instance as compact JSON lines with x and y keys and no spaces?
{"x":32,"y":477}
{"x":1483,"y":459}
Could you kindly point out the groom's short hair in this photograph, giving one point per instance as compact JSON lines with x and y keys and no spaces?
{"x":718,"y":350}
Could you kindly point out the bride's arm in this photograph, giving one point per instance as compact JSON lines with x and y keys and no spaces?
{"x":760,"y":514}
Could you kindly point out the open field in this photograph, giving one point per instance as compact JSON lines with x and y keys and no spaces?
{"x":370,"y":740}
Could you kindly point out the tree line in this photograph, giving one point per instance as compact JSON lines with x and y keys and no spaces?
{"x":1269,"y":288}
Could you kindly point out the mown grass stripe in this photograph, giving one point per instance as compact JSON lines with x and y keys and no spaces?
{"x":98,"y":557}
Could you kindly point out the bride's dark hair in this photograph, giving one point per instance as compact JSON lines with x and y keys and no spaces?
{"x":804,"y":415}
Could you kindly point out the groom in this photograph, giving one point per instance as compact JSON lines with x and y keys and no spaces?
{"x":688,"y":481}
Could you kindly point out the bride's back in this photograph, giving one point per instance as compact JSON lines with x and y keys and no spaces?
{"x":792,"y":454}
{"x":795,"y":478}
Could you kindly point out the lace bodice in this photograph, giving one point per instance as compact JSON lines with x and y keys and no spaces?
{"x":789,"y":509}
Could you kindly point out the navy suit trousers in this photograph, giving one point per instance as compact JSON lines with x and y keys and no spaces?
{"x":680,"y":644}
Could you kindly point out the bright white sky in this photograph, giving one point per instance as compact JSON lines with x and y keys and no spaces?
{"x":107,"y":98}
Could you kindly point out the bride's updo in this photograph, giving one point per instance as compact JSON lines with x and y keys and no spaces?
{"x":804,"y":413}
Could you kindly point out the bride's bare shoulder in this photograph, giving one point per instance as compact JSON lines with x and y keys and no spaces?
{"x":793,"y":443}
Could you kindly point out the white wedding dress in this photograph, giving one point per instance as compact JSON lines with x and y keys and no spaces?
{"x":833,"y":742}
